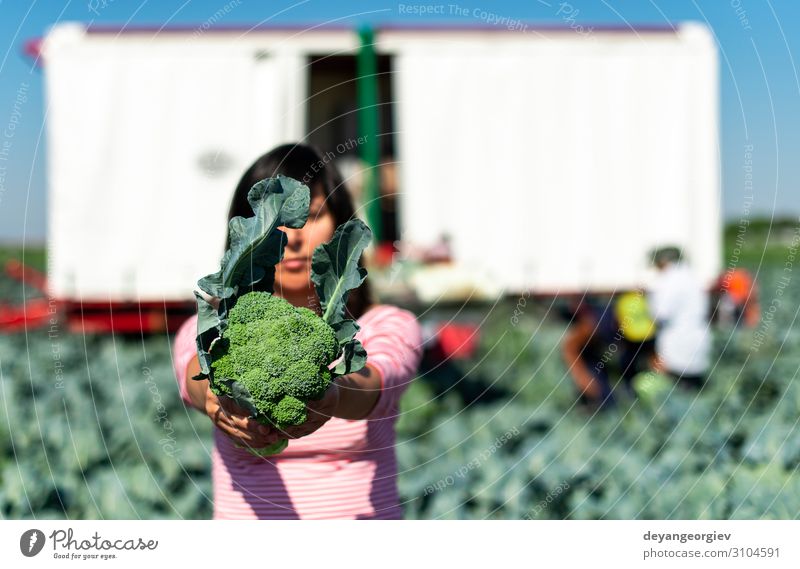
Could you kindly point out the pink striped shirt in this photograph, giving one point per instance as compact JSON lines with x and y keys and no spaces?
{"x":344,"y":470}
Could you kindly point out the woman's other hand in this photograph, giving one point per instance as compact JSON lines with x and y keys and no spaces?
{"x":234,"y":422}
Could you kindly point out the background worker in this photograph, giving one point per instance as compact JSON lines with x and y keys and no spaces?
{"x":737,"y":298}
{"x":607,"y":338}
{"x":680,"y":306}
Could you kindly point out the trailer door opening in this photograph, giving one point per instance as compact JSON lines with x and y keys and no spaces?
{"x":333,"y":128}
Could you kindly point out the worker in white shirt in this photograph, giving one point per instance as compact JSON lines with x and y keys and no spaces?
{"x":680,"y":306}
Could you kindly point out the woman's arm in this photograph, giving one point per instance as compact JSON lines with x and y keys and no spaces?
{"x":358,"y":393}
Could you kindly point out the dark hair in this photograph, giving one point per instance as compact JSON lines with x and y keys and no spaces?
{"x":664,"y":255}
{"x":304,"y":163}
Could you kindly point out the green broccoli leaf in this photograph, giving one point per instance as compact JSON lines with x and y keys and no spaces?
{"x":355,"y":357}
{"x":335,"y":270}
{"x":256,"y":242}
{"x":208,"y":323}
{"x":242,"y":397}
{"x":345,"y":331}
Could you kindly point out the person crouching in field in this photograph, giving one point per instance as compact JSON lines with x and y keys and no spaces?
{"x":605,"y":341}
{"x":346,"y":467}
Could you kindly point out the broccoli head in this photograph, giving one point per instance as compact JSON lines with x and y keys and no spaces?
{"x":280,"y":353}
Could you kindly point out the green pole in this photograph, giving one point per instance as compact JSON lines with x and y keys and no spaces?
{"x":367,"y":88}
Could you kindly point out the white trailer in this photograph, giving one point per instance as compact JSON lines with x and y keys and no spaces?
{"x":552,"y":161}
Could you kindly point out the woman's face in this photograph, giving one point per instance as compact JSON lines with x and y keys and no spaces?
{"x":293,"y":273}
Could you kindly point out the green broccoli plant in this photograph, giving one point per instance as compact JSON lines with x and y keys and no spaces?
{"x":267,"y":355}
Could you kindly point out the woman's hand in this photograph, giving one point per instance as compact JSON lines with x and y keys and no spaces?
{"x":234,"y":422}
{"x":318,"y":413}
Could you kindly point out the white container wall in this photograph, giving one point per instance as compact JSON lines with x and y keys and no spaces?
{"x":556,"y":161}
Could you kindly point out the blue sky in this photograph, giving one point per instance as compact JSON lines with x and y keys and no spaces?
{"x":759,"y":85}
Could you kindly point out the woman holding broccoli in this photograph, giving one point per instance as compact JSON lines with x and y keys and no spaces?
{"x":340,"y":463}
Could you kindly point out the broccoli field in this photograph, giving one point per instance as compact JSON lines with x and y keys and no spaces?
{"x":92,"y":427}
